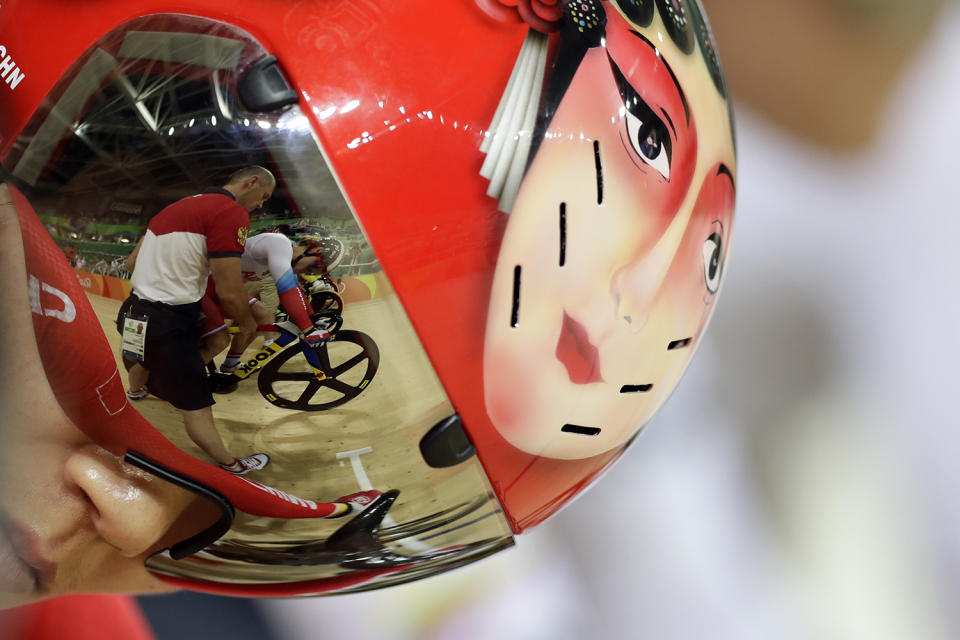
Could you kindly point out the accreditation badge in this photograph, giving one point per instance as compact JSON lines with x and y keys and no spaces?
{"x":134,"y":336}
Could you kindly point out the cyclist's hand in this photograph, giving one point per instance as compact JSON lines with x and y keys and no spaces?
{"x":316,"y":337}
{"x":247,"y":326}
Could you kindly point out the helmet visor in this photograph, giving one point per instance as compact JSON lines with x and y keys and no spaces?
{"x":157,"y":110}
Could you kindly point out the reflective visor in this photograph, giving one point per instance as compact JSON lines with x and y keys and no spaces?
{"x":154,"y":112}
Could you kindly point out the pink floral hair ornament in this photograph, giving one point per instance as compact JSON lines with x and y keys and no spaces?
{"x":544,"y":16}
{"x":521,"y":113}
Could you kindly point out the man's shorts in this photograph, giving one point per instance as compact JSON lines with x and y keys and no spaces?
{"x":171,"y":354}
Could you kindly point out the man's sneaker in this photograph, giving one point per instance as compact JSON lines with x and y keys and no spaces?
{"x":243,"y":466}
{"x":227,"y":369}
{"x":359,"y":501}
{"x":138,"y":395}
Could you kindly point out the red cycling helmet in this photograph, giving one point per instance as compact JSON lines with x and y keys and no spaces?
{"x":530,"y":202}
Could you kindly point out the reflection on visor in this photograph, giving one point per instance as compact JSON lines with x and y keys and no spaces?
{"x":158,"y":110}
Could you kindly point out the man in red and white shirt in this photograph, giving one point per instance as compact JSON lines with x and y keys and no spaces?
{"x":184,"y":244}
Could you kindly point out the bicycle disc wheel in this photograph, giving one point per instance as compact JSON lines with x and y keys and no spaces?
{"x":348,"y":363}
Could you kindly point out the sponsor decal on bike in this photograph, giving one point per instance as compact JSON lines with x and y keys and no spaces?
{"x":283,"y":495}
{"x":254,"y":363}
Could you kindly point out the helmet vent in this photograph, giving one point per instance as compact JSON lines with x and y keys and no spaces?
{"x":515,"y":308}
{"x":599,"y":165}
{"x":264,"y":88}
{"x":446,"y":444}
{"x":563,"y":233}
{"x":579,"y":430}
{"x":679,"y":344}
{"x":636,"y":388}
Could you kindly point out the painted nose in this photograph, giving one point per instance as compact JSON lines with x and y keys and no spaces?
{"x":636,"y":285}
{"x":634,"y":291}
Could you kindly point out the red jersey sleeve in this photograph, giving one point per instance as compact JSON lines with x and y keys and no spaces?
{"x":227,"y":232}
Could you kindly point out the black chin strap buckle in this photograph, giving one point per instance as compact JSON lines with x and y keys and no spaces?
{"x":209,"y":535}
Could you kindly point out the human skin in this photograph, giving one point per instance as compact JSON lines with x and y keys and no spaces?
{"x":74,"y":517}
{"x":592,"y":332}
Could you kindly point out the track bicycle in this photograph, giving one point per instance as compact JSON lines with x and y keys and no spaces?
{"x":293,"y":375}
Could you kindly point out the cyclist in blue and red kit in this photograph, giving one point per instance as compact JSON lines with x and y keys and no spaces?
{"x":272,"y":254}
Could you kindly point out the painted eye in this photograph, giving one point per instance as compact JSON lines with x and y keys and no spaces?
{"x":648,"y":135}
{"x":651,"y":142}
{"x":713,"y":261}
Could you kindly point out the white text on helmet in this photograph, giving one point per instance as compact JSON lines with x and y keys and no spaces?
{"x":9,"y":70}
{"x":67,"y":313}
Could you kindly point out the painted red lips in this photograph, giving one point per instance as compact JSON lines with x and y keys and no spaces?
{"x":577,"y":353}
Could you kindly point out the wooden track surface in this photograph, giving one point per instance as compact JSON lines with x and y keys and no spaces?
{"x":311,"y":451}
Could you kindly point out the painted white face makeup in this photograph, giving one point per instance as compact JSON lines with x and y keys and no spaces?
{"x":611,"y":259}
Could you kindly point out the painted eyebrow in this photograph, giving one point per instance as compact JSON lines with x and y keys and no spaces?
{"x":724,"y":170}
{"x":669,"y":121}
{"x":673,"y":76}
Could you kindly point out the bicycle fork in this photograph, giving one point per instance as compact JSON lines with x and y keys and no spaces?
{"x":313,"y":359}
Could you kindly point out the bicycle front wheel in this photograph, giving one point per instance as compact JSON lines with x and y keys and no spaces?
{"x":348,"y":363}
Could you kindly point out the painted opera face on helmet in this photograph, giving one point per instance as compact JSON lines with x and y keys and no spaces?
{"x":615,"y":246}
